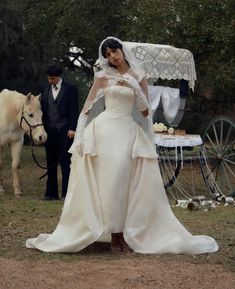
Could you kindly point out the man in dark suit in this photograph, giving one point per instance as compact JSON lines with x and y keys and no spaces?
{"x":59,"y":103}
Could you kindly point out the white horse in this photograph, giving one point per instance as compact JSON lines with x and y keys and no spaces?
{"x":19,"y":114}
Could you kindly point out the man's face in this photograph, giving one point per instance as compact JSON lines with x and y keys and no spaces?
{"x":53,"y":80}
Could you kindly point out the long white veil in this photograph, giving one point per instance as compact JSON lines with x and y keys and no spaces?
{"x":94,"y":103}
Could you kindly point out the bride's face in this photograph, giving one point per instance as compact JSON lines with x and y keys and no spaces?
{"x":115,"y":56}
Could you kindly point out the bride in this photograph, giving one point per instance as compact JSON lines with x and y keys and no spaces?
{"x":115,"y":189}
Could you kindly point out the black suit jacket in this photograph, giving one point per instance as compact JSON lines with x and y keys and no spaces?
{"x":67,"y":100}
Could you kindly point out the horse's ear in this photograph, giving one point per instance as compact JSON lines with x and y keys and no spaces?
{"x":28,"y":97}
{"x":39,"y":97}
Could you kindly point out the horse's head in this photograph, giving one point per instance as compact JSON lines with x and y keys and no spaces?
{"x":31,"y":119}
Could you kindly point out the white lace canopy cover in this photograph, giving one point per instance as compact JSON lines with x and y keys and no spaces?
{"x":164,"y":61}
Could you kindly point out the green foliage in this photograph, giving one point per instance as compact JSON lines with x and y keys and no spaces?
{"x":10,"y":39}
{"x":37,"y":33}
{"x":66,"y":24}
{"x":206,"y":28}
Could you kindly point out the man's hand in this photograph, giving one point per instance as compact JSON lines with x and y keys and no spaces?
{"x":70,"y":133}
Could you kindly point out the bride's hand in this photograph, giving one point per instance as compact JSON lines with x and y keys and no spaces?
{"x":121,"y":83}
{"x":130,"y":82}
{"x":141,"y":98}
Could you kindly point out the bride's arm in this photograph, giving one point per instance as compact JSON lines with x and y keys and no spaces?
{"x":141,"y":92}
{"x":144,"y":86}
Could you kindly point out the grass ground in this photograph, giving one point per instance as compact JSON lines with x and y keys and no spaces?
{"x":27,"y":216}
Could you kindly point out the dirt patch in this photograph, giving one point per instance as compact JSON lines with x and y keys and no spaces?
{"x":123,"y":273}
{"x":96,"y":267}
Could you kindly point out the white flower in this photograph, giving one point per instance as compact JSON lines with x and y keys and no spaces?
{"x":164,"y":128}
{"x":171,"y":130}
{"x":159,"y":127}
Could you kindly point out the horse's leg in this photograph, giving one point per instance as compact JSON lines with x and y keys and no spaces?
{"x":16,"y":148}
{"x":1,"y":180}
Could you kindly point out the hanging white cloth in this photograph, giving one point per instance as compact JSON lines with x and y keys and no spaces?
{"x":170,"y":102}
{"x":154,"y":93}
{"x":170,"y":98}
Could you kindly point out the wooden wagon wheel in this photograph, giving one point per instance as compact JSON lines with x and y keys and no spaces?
{"x":169,"y":167}
{"x":218,"y":157}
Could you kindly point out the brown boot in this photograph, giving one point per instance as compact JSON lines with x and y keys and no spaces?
{"x":125,"y":247}
{"x":116,"y":246}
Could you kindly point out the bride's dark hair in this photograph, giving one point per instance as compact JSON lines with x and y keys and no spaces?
{"x":112,"y":44}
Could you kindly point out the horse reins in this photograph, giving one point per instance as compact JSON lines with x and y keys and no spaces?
{"x":44,"y":167}
{"x":31,"y":127}
{"x":31,"y":143}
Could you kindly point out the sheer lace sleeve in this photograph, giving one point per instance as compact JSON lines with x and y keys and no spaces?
{"x":150,"y":132}
{"x":96,"y":92}
{"x":144,"y":86}
{"x":146,"y":122}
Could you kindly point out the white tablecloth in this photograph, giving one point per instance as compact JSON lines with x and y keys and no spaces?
{"x":166,"y":140}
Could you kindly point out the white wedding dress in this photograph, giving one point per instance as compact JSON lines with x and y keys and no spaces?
{"x":116,"y":186}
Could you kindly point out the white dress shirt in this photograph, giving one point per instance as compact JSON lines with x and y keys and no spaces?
{"x":56,"y":89}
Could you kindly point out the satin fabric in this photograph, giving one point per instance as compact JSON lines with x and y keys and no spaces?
{"x":116,"y":186}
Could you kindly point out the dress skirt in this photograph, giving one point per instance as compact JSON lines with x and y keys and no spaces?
{"x":116,"y":186}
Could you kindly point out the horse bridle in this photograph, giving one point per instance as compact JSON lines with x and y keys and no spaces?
{"x":31,"y":127}
{"x":33,"y":154}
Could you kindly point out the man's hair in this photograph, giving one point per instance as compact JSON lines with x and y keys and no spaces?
{"x":54,"y":70}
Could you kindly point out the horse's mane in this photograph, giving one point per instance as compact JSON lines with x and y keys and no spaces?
{"x":12,"y":93}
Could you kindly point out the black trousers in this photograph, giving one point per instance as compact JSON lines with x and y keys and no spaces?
{"x":57,"y":146}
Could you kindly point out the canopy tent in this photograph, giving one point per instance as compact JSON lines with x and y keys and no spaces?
{"x":164,"y":61}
